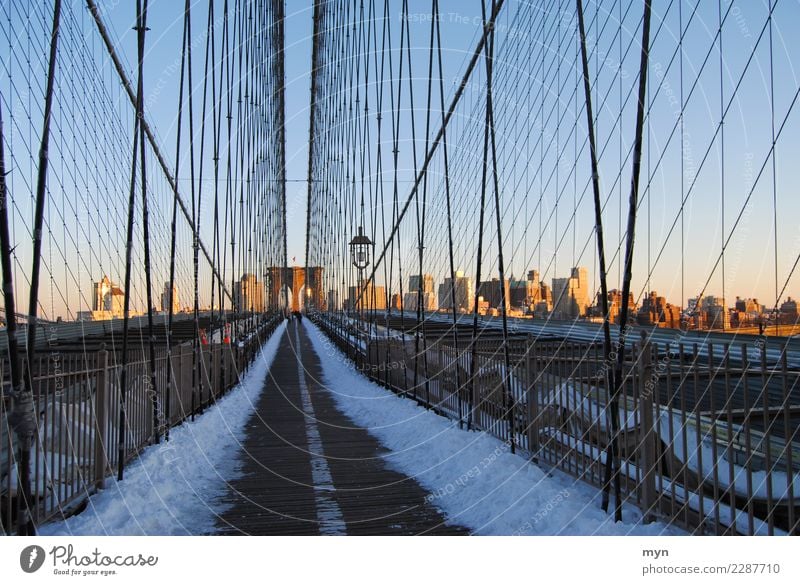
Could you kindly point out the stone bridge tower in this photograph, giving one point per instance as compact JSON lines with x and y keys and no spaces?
{"x":301,"y":293}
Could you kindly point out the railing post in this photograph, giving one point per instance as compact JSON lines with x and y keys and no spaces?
{"x":101,"y":419}
{"x":223,"y":387}
{"x":368,"y":368}
{"x":532,"y":399}
{"x":174,"y":372}
{"x":219,"y":378}
{"x":230,"y":363}
{"x":385,"y":357}
{"x":647,"y":443}
{"x":443,"y":374}
{"x":186,"y":389}
{"x":239,"y":359}
{"x":209,"y":375}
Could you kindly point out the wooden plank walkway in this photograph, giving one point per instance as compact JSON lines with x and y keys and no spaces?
{"x":308,"y":469}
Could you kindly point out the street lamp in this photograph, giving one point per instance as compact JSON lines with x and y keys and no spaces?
{"x":360,"y":247}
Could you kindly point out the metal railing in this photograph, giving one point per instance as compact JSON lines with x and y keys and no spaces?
{"x":77,"y":401}
{"x":708,"y":436}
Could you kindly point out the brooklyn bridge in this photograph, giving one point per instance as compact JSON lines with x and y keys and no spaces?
{"x":392,"y":267}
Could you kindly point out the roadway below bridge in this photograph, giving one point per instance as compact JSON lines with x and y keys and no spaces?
{"x":589,"y":332}
{"x":736,"y":378}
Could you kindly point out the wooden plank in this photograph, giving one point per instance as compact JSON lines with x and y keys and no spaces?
{"x":275,"y":493}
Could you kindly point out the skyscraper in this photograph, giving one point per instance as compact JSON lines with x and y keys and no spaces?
{"x":414,"y":283}
{"x":493,"y":293}
{"x":655,"y":310}
{"x":248,"y":294}
{"x":108,"y":302}
{"x":465,"y":297}
{"x":333,"y":300}
{"x":571,"y":295}
{"x":170,"y":297}
{"x":428,"y":294}
{"x":372,"y":298}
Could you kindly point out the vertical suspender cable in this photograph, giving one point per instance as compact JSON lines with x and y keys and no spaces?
{"x":774,"y":164}
{"x":508,"y":398}
{"x":449,"y":211}
{"x":230,"y":165}
{"x":722,"y":158}
{"x":629,"y":241}
{"x":411,"y":111}
{"x":405,"y":29}
{"x":23,"y":417}
{"x":216,"y":119}
{"x":24,"y":403}
{"x":200,"y":360}
{"x":279,"y":18}
{"x":611,"y":453}
{"x":396,"y":109}
{"x":153,"y":390}
{"x":420,"y":296}
{"x":123,"y":378}
{"x":683,"y":157}
{"x":17,"y":387}
{"x":195,"y":217}
{"x":476,"y":400}
{"x":171,"y":311}
{"x":315,"y":50}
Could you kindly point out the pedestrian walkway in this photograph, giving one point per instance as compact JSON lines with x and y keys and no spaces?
{"x":307,"y":469}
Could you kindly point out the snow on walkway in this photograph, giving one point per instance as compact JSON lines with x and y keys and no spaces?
{"x":471,"y":477}
{"x":173,"y":488}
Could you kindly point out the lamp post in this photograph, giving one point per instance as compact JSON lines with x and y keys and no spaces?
{"x":360,"y":248}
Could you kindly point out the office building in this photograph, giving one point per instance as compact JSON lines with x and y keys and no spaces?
{"x":169,"y":297}
{"x":248,"y":294}
{"x":464,"y":294}
{"x":571,"y":295}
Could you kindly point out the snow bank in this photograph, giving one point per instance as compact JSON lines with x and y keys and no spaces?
{"x":471,"y":477}
{"x":174,"y":488}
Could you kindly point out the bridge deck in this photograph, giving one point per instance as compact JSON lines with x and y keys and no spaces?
{"x":317,"y":474}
